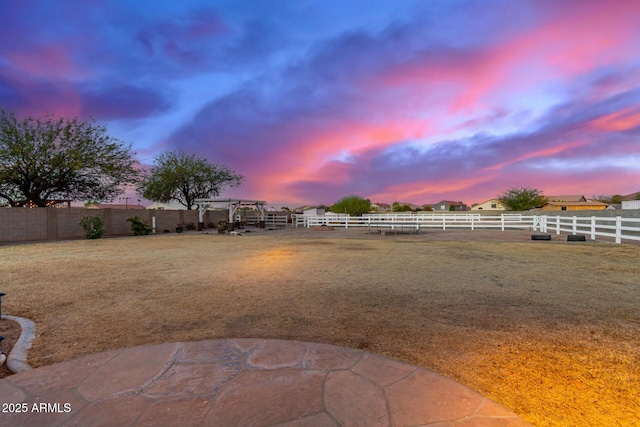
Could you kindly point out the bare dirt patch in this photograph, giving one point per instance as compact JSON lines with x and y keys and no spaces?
{"x":548,"y":329}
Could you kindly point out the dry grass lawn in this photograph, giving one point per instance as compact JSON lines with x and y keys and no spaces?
{"x":548,"y":329}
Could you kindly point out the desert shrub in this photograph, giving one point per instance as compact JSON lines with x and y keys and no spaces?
{"x":190,"y":226}
{"x":139,"y":226}
{"x":93,"y":227}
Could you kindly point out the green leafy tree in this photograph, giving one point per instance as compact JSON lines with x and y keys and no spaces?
{"x":352,"y":205}
{"x":400,"y":207}
{"x":616,"y":198}
{"x":522,"y":198}
{"x":184,"y":177}
{"x":49,"y":158}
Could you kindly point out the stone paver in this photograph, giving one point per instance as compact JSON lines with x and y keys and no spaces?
{"x":242,"y":382}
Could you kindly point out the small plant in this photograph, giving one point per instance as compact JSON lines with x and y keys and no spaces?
{"x":93,"y":226}
{"x":139,"y":226}
{"x":190,"y":226}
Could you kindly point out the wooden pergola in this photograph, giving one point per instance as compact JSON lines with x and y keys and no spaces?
{"x":232,"y":204}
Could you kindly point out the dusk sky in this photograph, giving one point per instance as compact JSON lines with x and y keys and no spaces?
{"x":411,"y":101}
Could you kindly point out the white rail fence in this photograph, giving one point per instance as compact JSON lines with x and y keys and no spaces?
{"x":271,"y":220}
{"x":617,"y":228}
{"x":416,"y":222}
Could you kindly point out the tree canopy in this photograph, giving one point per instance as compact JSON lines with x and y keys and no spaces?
{"x":181,"y":177}
{"x":401,"y":207}
{"x":352,"y":205}
{"x":43,"y":159}
{"x":522,"y":198}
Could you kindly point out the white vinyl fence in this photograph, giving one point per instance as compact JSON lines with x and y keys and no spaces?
{"x":271,"y":220}
{"x":276,"y":220}
{"x":617,"y":228}
{"x":413,"y":223}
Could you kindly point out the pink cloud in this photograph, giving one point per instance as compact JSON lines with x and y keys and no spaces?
{"x":618,"y":121}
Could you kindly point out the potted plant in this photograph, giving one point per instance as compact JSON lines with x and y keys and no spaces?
{"x":179,"y":227}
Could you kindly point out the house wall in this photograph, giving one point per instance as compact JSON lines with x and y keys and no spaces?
{"x":486,"y":206}
{"x":21,"y":224}
{"x":444,"y":207}
{"x":631,"y":204}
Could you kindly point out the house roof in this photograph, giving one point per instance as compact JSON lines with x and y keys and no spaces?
{"x":632,"y":196}
{"x":567,"y":198}
{"x":575,"y":204}
{"x":450,"y":202}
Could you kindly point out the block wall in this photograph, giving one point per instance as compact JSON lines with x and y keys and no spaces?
{"x":21,"y":224}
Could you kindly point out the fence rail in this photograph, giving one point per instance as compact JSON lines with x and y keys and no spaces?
{"x":416,"y":222}
{"x":271,"y":220}
{"x":617,"y":228}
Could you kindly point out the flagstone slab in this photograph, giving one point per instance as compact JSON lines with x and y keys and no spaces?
{"x":425,"y":397}
{"x":277,"y":355}
{"x":117,"y":375}
{"x":354,"y":401}
{"x":324,"y":356}
{"x":268,"y":397}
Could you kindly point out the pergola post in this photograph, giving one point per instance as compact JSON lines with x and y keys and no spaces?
{"x":202,"y":208}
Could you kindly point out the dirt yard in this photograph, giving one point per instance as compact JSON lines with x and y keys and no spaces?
{"x":548,"y":329}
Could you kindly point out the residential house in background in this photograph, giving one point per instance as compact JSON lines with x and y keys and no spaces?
{"x":448,"y":205}
{"x":382,"y":207}
{"x":489,"y":205}
{"x":314,"y":212}
{"x":574,"y":206}
{"x":174,"y":206}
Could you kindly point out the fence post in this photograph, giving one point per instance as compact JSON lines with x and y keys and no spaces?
{"x":472,"y":223}
{"x":593,"y":228}
{"x":558,"y":225}
{"x":502,"y":222}
{"x":346,"y":222}
{"x":444,"y":222}
{"x":618,"y":229}
{"x":574,"y":227}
